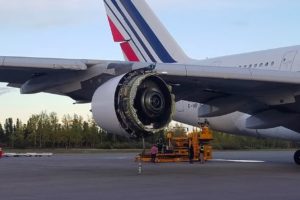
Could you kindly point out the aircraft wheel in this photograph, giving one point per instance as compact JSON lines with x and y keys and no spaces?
{"x":297,"y":157}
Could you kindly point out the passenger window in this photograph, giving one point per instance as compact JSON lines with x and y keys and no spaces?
{"x":267,"y":64}
{"x":245,"y":65}
{"x":255,"y":65}
{"x":250,"y":66}
{"x":261,"y":64}
{"x":272,"y":63}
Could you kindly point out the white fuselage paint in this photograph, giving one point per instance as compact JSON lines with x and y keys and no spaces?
{"x":283,"y":59}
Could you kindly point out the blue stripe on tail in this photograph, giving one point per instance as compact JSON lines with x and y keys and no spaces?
{"x":148,"y":33}
{"x":133,"y":30}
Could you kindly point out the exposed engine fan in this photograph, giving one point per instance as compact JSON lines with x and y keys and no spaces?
{"x":136,"y":103}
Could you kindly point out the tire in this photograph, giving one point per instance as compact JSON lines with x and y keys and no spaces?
{"x":297,"y":157}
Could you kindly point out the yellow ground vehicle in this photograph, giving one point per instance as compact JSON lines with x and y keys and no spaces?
{"x":177,"y":148}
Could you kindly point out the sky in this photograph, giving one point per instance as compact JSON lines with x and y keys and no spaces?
{"x":79,"y":29}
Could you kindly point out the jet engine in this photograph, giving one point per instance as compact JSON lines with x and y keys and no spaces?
{"x":134,"y":104}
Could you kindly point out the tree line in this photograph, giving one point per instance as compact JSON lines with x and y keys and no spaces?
{"x":48,"y":131}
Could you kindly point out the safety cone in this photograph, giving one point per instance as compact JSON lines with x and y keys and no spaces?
{"x":1,"y":152}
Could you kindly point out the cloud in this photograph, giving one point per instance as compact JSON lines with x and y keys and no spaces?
{"x":45,"y":13}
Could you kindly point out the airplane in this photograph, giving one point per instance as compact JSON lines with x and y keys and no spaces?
{"x":255,"y":94}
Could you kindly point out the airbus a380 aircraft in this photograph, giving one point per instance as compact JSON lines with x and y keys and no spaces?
{"x":256,"y":94}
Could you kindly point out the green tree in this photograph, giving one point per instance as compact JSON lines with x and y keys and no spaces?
{"x":9,"y":130}
{"x":76,"y":131}
{"x":31,"y":129}
{"x":55,"y":128}
{"x":18,"y":135}
{"x":94,"y":134}
{"x":65,"y":136}
{"x":43,"y":129}
{"x":2,"y":135}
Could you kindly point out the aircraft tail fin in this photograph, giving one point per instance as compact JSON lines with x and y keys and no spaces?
{"x":140,"y":33}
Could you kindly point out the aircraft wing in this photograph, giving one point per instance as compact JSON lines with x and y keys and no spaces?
{"x":17,"y":70}
{"x":203,"y":84}
{"x":228,"y":81}
{"x":76,"y":78}
{"x":52,"y":75}
{"x":265,"y":94}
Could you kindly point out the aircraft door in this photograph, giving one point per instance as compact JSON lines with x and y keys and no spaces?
{"x":288,"y":60}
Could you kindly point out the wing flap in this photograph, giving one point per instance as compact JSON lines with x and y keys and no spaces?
{"x":42,"y":63}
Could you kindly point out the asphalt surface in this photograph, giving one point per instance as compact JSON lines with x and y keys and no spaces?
{"x":114,"y":176}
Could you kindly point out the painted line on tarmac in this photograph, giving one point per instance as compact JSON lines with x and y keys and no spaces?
{"x":116,"y":158}
{"x":28,"y":154}
{"x":238,"y":161}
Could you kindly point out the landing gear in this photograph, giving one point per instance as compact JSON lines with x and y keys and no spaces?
{"x":297,"y":157}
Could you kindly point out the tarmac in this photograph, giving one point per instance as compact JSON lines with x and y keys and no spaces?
{"x":104,"y":176}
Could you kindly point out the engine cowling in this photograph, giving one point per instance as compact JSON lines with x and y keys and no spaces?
{"x":134,"y":104}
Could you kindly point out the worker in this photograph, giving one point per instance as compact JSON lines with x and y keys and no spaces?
{"x":160,"y":145}
{"x":153,"y":151}
{"x":191,"y":154}
{"x":201,"y":156}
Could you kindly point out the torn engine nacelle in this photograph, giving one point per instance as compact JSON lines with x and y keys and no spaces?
{"x":133,"y":104}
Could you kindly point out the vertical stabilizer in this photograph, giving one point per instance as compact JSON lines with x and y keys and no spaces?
{"x":140,"y":33}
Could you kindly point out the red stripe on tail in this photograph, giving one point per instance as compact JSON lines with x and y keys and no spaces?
{"x":128,"y":51}
{"x":115,"y":32}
